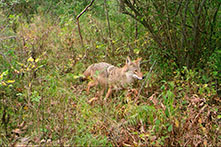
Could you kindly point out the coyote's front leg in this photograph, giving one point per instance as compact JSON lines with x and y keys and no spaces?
{"x":108,"y":92}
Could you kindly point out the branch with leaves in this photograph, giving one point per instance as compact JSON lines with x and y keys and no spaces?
{"x":165,"y":20}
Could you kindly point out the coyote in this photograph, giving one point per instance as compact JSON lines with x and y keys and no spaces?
{"x":112,"y":77}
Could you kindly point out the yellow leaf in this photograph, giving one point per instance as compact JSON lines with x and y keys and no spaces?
{"x":10,"y":81}
{"x":26,"y":107}
{"x":204,"y":130}
{"x":20,"y":64}
{"x":30,"y":59}
{"x":36,"y":60}
{"x":3,"y":83}
{"x":177,"y":123}
{"x":92,"y":99}
{"x":16,"y":71}
{"x":25,"y":116}
{"x":78,"y":76}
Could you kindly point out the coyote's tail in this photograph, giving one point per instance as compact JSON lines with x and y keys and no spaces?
{"x":82,"y":79}
{"x":85,"y":75}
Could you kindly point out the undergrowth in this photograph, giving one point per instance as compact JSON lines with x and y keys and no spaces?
{"x":43,"y":103}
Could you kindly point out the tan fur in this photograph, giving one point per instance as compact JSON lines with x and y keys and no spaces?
{"x":112,"y":77}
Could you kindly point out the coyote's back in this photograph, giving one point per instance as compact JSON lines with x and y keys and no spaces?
{"x":97,"y":72}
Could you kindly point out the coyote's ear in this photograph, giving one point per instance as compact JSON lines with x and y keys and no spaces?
{"x":128,"y":61}
{"x":138,"y":60}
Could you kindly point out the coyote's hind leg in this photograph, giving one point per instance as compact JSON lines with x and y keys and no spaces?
{"x":91,"y":84}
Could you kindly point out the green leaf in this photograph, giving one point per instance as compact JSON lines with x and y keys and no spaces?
{"x":167,"y":112}
{"x":170,"y":128}
{"x":172,"y":85}
{"x":157,"y":122}
{"x":215,"y":73}
{"x":170,"y":94}
{"x":136,"y":51}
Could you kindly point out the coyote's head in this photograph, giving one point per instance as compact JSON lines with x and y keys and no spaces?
{"x":132,"y":69}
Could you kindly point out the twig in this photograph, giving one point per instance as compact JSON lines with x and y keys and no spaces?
{"x":79,"y":15}
{"x":5,"y":38}
{"x":145,"y":22}
{"x":109,"y":27}
{"x":147,"y":77}
{"x":3,"y":55}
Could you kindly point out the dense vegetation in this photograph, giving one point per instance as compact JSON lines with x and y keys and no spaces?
{"x":42,"y":55}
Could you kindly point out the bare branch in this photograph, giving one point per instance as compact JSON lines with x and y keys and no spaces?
{"x":147,"y":78}
{"x":85,"y":9}
{"x":128,"y":3}
{"x":178,"y":9}
{"x":79,"y":15}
